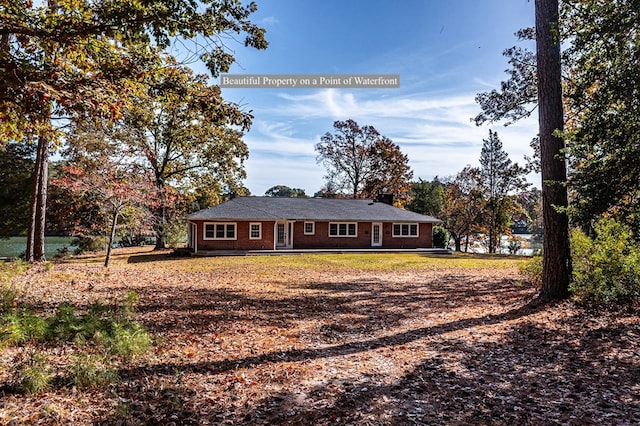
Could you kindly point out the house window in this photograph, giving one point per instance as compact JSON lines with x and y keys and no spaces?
{"x":344,"y":229}
{"x":208,"y":231}
{"x":219,"y":231}
{"x":309,"y":228}
{"x":405,"y":229}
{"x":255,"y":231}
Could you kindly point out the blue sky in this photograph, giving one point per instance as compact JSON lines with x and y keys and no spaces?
{"x":444,"y":51}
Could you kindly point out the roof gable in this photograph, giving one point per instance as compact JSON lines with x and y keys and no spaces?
{"x":311,"y":209}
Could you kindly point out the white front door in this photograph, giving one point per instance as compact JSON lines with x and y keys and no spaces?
{"x":284,"y":234}
{"x":376,"y":234}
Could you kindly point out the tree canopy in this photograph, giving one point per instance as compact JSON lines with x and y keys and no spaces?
{"x":285,"y":191}
{"x":600,"y":98}
{"x":104,"y":188}
{"x":361,"y":162}
{"x":603,"y":98}
{"x":16,"y":168}
{"x":591,"y":103}
{"x":180,"y":131}
{"x":75,"y":60}
{"x":426,"y":197}
{"x":464,"y":204}
{"x":70,"y":57}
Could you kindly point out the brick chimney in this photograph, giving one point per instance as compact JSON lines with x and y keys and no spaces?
{"x":385,"y":198}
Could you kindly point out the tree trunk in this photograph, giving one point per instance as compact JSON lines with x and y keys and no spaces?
{"x":38,"y":205}
{"x":33,"y":208}
{"x":38,"y":251}
{"x":557,"y":260}
{"x":458,"y":242}
{"x":492,"y":237}
{"x":161,"y":219}
{"x":112,"y":235}
{"x":493,"y":227}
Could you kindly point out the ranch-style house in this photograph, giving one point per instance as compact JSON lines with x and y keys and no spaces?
{"x":275,"y":223}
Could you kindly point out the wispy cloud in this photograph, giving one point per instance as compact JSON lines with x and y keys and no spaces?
{"x":269,"y":20}
{"x":279,"y":137}
{"x":434,"y":130}
{"x":340,"y":103}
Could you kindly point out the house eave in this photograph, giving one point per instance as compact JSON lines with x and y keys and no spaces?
{"x":272,"y":219}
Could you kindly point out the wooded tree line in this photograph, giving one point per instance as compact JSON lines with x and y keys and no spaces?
{"x":478,"y":204}
{"x":99,"y":185}
{"x":96,"y":77}
{"x":481,"y":204}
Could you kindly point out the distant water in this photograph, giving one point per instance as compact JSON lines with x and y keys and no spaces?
{"x":529,"y":246}
{"x":15,"y":246}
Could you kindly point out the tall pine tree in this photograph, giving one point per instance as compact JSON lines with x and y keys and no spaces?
{"x":499,"y":177}
{"x":556,"y":270}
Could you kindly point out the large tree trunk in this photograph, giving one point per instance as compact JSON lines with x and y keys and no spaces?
{"x":38,"y":252}
{"x":38,"y":205}
{"x":557,"y":258}
{"x":491,"y":228}
{"x":33,"y":209}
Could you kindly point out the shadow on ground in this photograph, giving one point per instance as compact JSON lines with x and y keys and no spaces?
{"x":521,"y":362}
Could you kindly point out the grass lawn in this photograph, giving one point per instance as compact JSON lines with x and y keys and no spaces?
{"x":334,"y":339}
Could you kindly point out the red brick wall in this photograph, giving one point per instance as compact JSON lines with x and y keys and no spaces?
{"x":320,"y":239}
{"x":242,"y":241}
{"x":424,"y":239}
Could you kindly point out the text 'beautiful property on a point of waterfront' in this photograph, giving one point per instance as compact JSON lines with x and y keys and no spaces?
{"x":353,"y":81}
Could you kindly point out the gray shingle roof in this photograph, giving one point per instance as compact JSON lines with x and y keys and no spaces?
{"x":312,"y":209}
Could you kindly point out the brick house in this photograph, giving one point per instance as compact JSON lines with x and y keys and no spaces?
{"x":273,"y":223}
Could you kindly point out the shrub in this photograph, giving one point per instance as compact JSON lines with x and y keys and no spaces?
{"x":125,"y":339}
{"x":8,"y":270}
{"x":19,"y":266}
{"x":532,"y":270}
{"x":108,"y":331}
{"x":8,"y":298}
{"x":88,"y":244}
{"x":62,"y":253}
{"x":514,"y":244}
{"x":92,"y":372}
{"x":113,"y":329}
{"x":8,"y":293}
{"x":33,"y":374}
{"x":606,"y":269}
{"x":175,"y":234}
{"x":127,"y":311}
{"x":17,"y":327}
{"x":440,"y":237}
{"x":64,"y":324}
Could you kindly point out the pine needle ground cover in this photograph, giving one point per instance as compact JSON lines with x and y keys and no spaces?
{"x":331,"y":339}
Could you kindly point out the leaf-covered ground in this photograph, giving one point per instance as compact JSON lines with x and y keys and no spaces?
{"x":330,"y":339}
